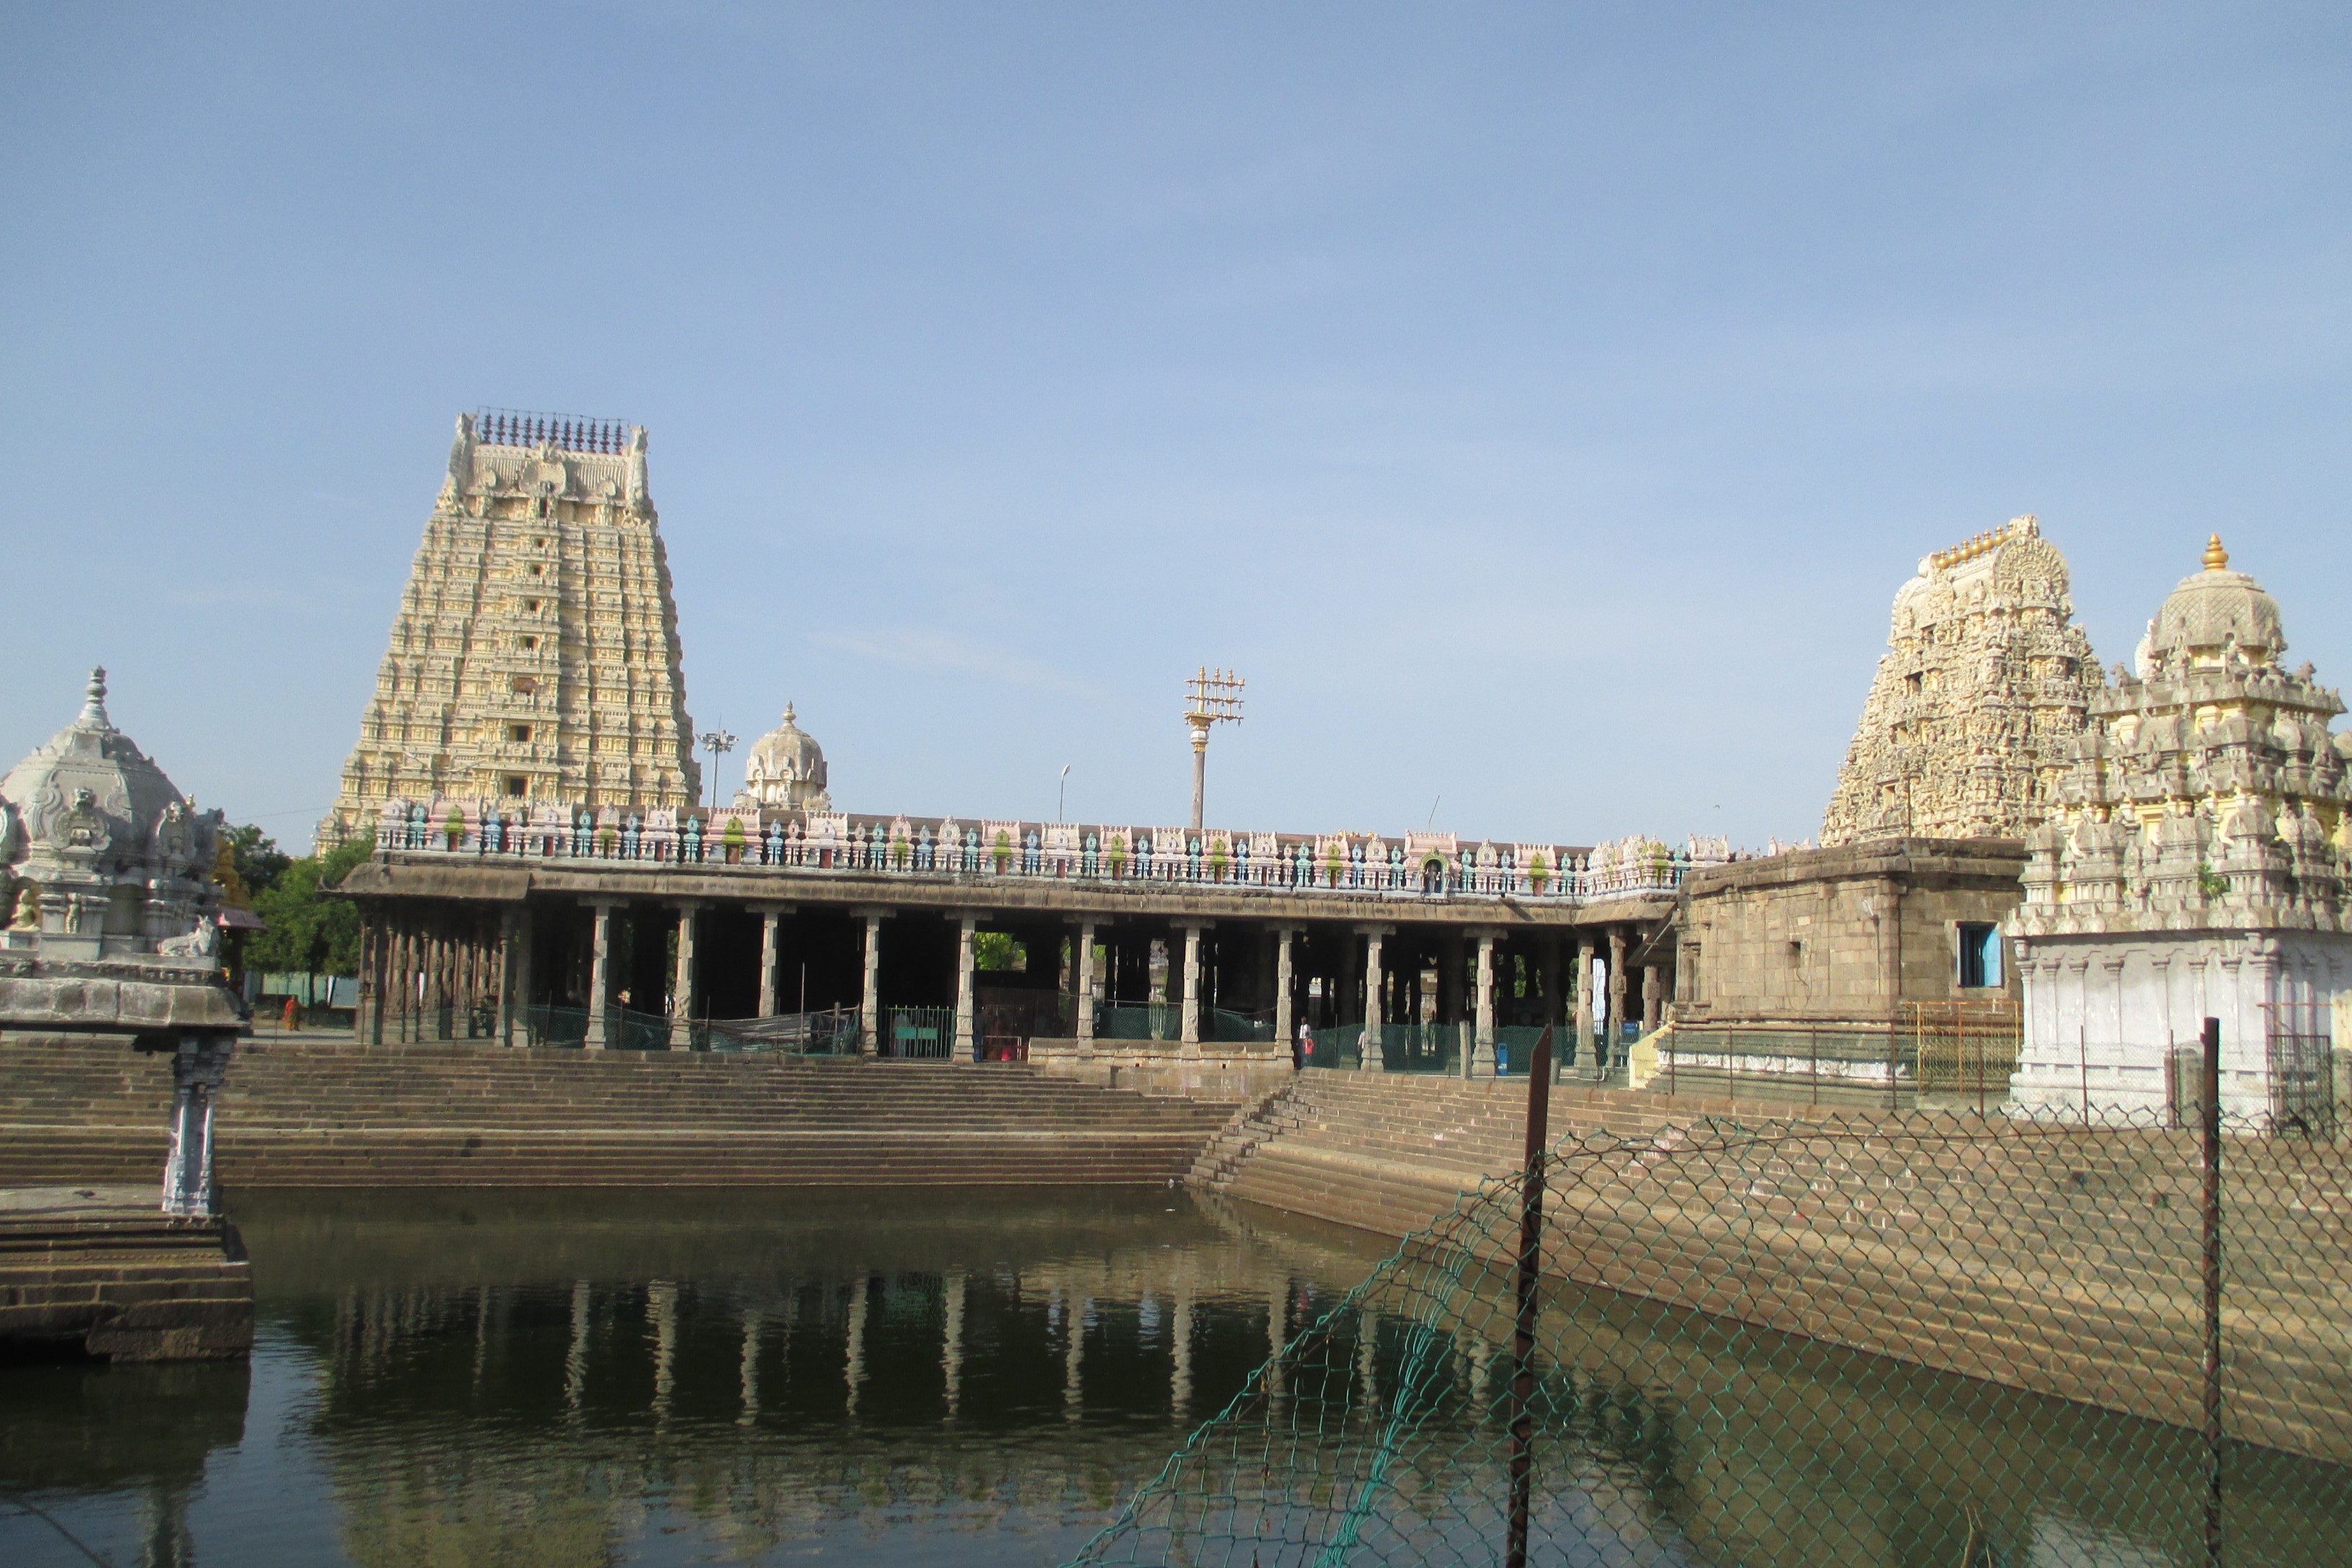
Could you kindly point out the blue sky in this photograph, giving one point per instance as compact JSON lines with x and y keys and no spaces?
{"x":1539,"y":404}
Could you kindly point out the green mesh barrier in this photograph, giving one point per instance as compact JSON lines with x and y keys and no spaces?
{"x":1935,"y":1338}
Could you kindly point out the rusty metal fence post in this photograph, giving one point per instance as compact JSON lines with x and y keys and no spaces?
{"x":2209,"y":1135}
{"x":1529,"y":1273}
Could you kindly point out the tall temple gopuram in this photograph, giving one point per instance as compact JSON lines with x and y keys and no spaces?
{"x":535,"y":656}
{"x":1972,"y":718}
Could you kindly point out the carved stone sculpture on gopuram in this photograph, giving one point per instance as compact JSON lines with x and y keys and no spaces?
{"x":1973,"y":714}
{"x":535,"y":656}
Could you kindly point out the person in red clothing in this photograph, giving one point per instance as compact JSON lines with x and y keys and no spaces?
{"x":293,"y":1018}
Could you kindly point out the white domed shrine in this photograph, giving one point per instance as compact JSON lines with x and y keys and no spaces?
{"x":2195,"y":864}
{"x":101,"y":855}
{"x":785,"y":770}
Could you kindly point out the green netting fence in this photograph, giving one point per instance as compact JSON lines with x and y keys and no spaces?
{"x":1937,"y":1338}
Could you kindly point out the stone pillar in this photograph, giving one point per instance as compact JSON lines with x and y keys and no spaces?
{"x":514,"y":978}
{"x":1083,"y":1003}
{"x":575,"y":1359}
{"x":1073,"y":1346}
{"x":661,"y":1306}
{"x":1481,"y":1063}
{"x":681,"y":990}
{"x":750,"y":1371}
{"x":600,"y":973}
{"x":1284,"y":1024}
{"x":1890,"y":947}
{"x":374,"y":962}
{"x":1278,"y":1334}
{"x":1584,"y":991}
{"x":869,"y":1015}
{"x":1616,"y":988}
{"x":951,"y":1340}
{"x":1650,"y":993}
{"x":1451,"y":962}
{"x":1179,"y":1344}
{"x":1189,"y":1034}
{"x":198,"y":1065}
{"x":853,"y":1368}
{"x":965,"y":1020}
{"x":1375,"y":991}
{"x":770,"y":914}
{"x":402,"y":989}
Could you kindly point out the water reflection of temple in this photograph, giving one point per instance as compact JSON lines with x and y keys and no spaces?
{"x":1002,"y":1370}
{"x":532,"y":1378}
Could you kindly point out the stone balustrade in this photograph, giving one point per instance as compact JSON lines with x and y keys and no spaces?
{"x":1412,"y":865}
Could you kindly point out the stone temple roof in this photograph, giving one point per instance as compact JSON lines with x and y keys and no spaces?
{"x":90,"y":788}
{"x":2214,"y":609}
{"x":787,"y":752}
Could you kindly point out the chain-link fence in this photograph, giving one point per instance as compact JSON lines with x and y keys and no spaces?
{"x":1938,"y":1337}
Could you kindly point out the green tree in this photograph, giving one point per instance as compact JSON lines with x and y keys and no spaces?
{"x":996,"y":951}
{"x":256,"y":858}
{"x":308,"y":929}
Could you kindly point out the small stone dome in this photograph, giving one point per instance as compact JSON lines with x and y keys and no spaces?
{"x":2218,"y":607}
{"x":786,"y":768}
{"x":90,"y":800}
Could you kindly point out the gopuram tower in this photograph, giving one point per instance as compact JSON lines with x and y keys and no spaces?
{"x":1971,"y":721}
{"x":536,"y":651}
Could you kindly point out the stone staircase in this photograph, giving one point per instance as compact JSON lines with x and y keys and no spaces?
{"x":1389,"y":1152}
{"x":100,"y":1269}
{"x":315,"y":1114}
{"x":1268,"y":1116}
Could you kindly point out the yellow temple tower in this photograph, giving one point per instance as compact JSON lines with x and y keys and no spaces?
{"x":1972,"y":717}
{"x":536,"y":655}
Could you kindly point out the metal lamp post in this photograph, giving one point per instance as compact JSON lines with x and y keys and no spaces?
{"x":718,"y":743}
{"x":1213,"y":697}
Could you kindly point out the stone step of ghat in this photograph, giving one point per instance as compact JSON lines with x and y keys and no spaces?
{"x":844,"y":1157}
{"x":428,"y":1116}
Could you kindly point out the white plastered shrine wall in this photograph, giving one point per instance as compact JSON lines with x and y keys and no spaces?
{"x":2106,"y":1015}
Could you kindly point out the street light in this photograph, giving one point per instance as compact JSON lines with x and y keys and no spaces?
{"x":1214,"y":696}
{"x":718,"y":743}
{"x":1062,"y":795}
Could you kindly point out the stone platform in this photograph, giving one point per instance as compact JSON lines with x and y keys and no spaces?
{"x":98,"y":1270}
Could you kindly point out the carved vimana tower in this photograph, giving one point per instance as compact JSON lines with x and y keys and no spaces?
{"x":536,"y":654}
{"x":1985,"y":684}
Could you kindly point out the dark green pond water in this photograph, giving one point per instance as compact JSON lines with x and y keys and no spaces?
{"x":458,"y":1379}
{"x":569,"y":1378}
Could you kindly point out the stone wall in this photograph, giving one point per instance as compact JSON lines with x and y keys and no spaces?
{"x":2042,"y":1257}
{"x":1216,"y":1074}
{"x":1844,"y":936}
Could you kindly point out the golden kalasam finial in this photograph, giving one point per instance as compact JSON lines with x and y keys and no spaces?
{"x":2216,"y":558}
